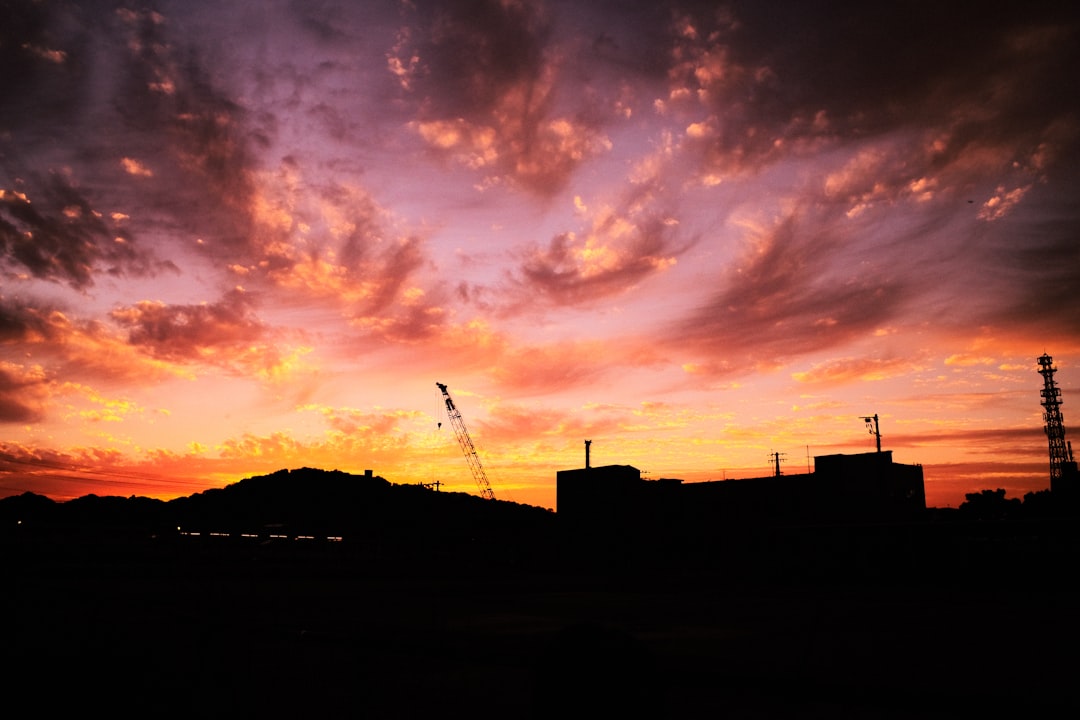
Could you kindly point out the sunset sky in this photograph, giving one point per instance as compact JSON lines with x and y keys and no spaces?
{"x":237,"y":237}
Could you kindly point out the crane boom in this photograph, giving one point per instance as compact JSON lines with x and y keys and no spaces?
{"x":466,"y":444}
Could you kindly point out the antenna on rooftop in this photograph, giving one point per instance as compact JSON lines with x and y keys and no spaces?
{"x":872,"y":426}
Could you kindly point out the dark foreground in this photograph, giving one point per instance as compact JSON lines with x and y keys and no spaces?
{"x":202,"y":629}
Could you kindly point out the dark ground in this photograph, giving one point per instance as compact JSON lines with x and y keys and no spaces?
{"x":202,"y":628}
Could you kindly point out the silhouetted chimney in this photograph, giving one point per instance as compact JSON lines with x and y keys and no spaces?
{"x":367,"y":474}
{"x":587,"y":444}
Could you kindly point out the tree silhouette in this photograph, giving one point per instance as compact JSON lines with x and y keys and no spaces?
{"x":1040,"y":504}
{"x":990,"y":505}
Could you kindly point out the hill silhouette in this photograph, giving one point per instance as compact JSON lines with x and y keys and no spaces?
{"x":366,"y":514}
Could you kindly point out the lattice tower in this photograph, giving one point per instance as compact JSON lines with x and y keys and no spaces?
{"x":1055,"y":424}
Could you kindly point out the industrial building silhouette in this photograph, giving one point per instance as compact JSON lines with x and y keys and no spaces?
{"x":858,"y":488}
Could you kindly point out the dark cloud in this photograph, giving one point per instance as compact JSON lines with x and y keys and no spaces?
{"x":55,"y":234}
{"x":784,"y":76}
{"x":790,"y":296}
{"x":20,"y":322}
{"x":1038,"y":263}
{"x":483,"y":77}
{"x":187,"y":333}
{"x":200,"y":140}
{"x":21,"y":394}
{"x":44,"y":57}
{"x":474,"y":52}
{"x":395,"y":267}
{"x":329,"y":20}
{"x":1018,"y":441}
{"x":111,"y":115}
{"x":933,"y":118}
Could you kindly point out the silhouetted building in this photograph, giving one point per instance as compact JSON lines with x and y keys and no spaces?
{"x":866,"y":487}
{"x":608,"y":497}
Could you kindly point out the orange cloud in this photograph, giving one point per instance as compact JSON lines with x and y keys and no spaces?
{"x":79,"y":471}
{"x":491,"y":109}
{"x":134,"y":167}
{"x":350,"y":421}
{"x":849,"y":370}
{"x":556,"y":367}
{"x":618,"y":250}
{"x":189,"y":331}
{"x":24,"y":391}
{"x":69,"y":348}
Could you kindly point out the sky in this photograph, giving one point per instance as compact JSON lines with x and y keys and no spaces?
{"x":237,"y":237}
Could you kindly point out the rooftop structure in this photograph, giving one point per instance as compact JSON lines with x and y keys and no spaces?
{"x":865,"y":487}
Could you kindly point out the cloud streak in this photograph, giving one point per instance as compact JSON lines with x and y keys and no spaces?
{"x":784,"y":300}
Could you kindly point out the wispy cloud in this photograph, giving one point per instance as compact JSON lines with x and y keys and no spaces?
{"x":786,"y":298}
{"x":617,"y":251}
{"x":851,"y":370}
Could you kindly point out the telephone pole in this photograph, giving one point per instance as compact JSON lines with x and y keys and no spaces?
{"x":872,"y":426}
{"x":776,"y":457}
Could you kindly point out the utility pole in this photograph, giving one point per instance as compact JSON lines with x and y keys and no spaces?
{"x":776,"y":456}
{"x":872,"y":426}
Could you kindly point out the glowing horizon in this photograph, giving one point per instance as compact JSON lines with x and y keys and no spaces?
{"x":246,"y":238}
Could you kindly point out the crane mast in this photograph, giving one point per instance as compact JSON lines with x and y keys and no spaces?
{"x":466,"y":444}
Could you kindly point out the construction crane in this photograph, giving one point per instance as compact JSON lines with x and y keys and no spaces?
{"x":467,"y":446}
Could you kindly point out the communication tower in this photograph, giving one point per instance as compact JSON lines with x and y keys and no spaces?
{"x":1060,"y":452}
